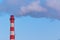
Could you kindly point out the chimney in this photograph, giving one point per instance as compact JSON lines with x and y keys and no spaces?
{"x":12,"y":31}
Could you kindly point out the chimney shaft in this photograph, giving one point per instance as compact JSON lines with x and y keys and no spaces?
{"x":12,"y":33}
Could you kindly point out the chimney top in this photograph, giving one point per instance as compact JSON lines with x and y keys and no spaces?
{"x":12,"y":18}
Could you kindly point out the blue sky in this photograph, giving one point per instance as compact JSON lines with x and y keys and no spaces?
{"x":27,"y":28}
{"x":30,"y":28}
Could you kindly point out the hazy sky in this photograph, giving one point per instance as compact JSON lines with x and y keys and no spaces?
{"x":34,"y":19}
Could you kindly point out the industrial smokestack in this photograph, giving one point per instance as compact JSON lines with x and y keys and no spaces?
{"x":12,"y":33}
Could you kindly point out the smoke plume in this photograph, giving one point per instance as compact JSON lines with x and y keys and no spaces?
{"x":33,"y":8}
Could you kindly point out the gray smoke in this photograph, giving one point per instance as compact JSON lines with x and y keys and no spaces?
{"x":33,"y":8}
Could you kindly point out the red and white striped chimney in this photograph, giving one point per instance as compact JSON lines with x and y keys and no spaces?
{"x":12,"y":33}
